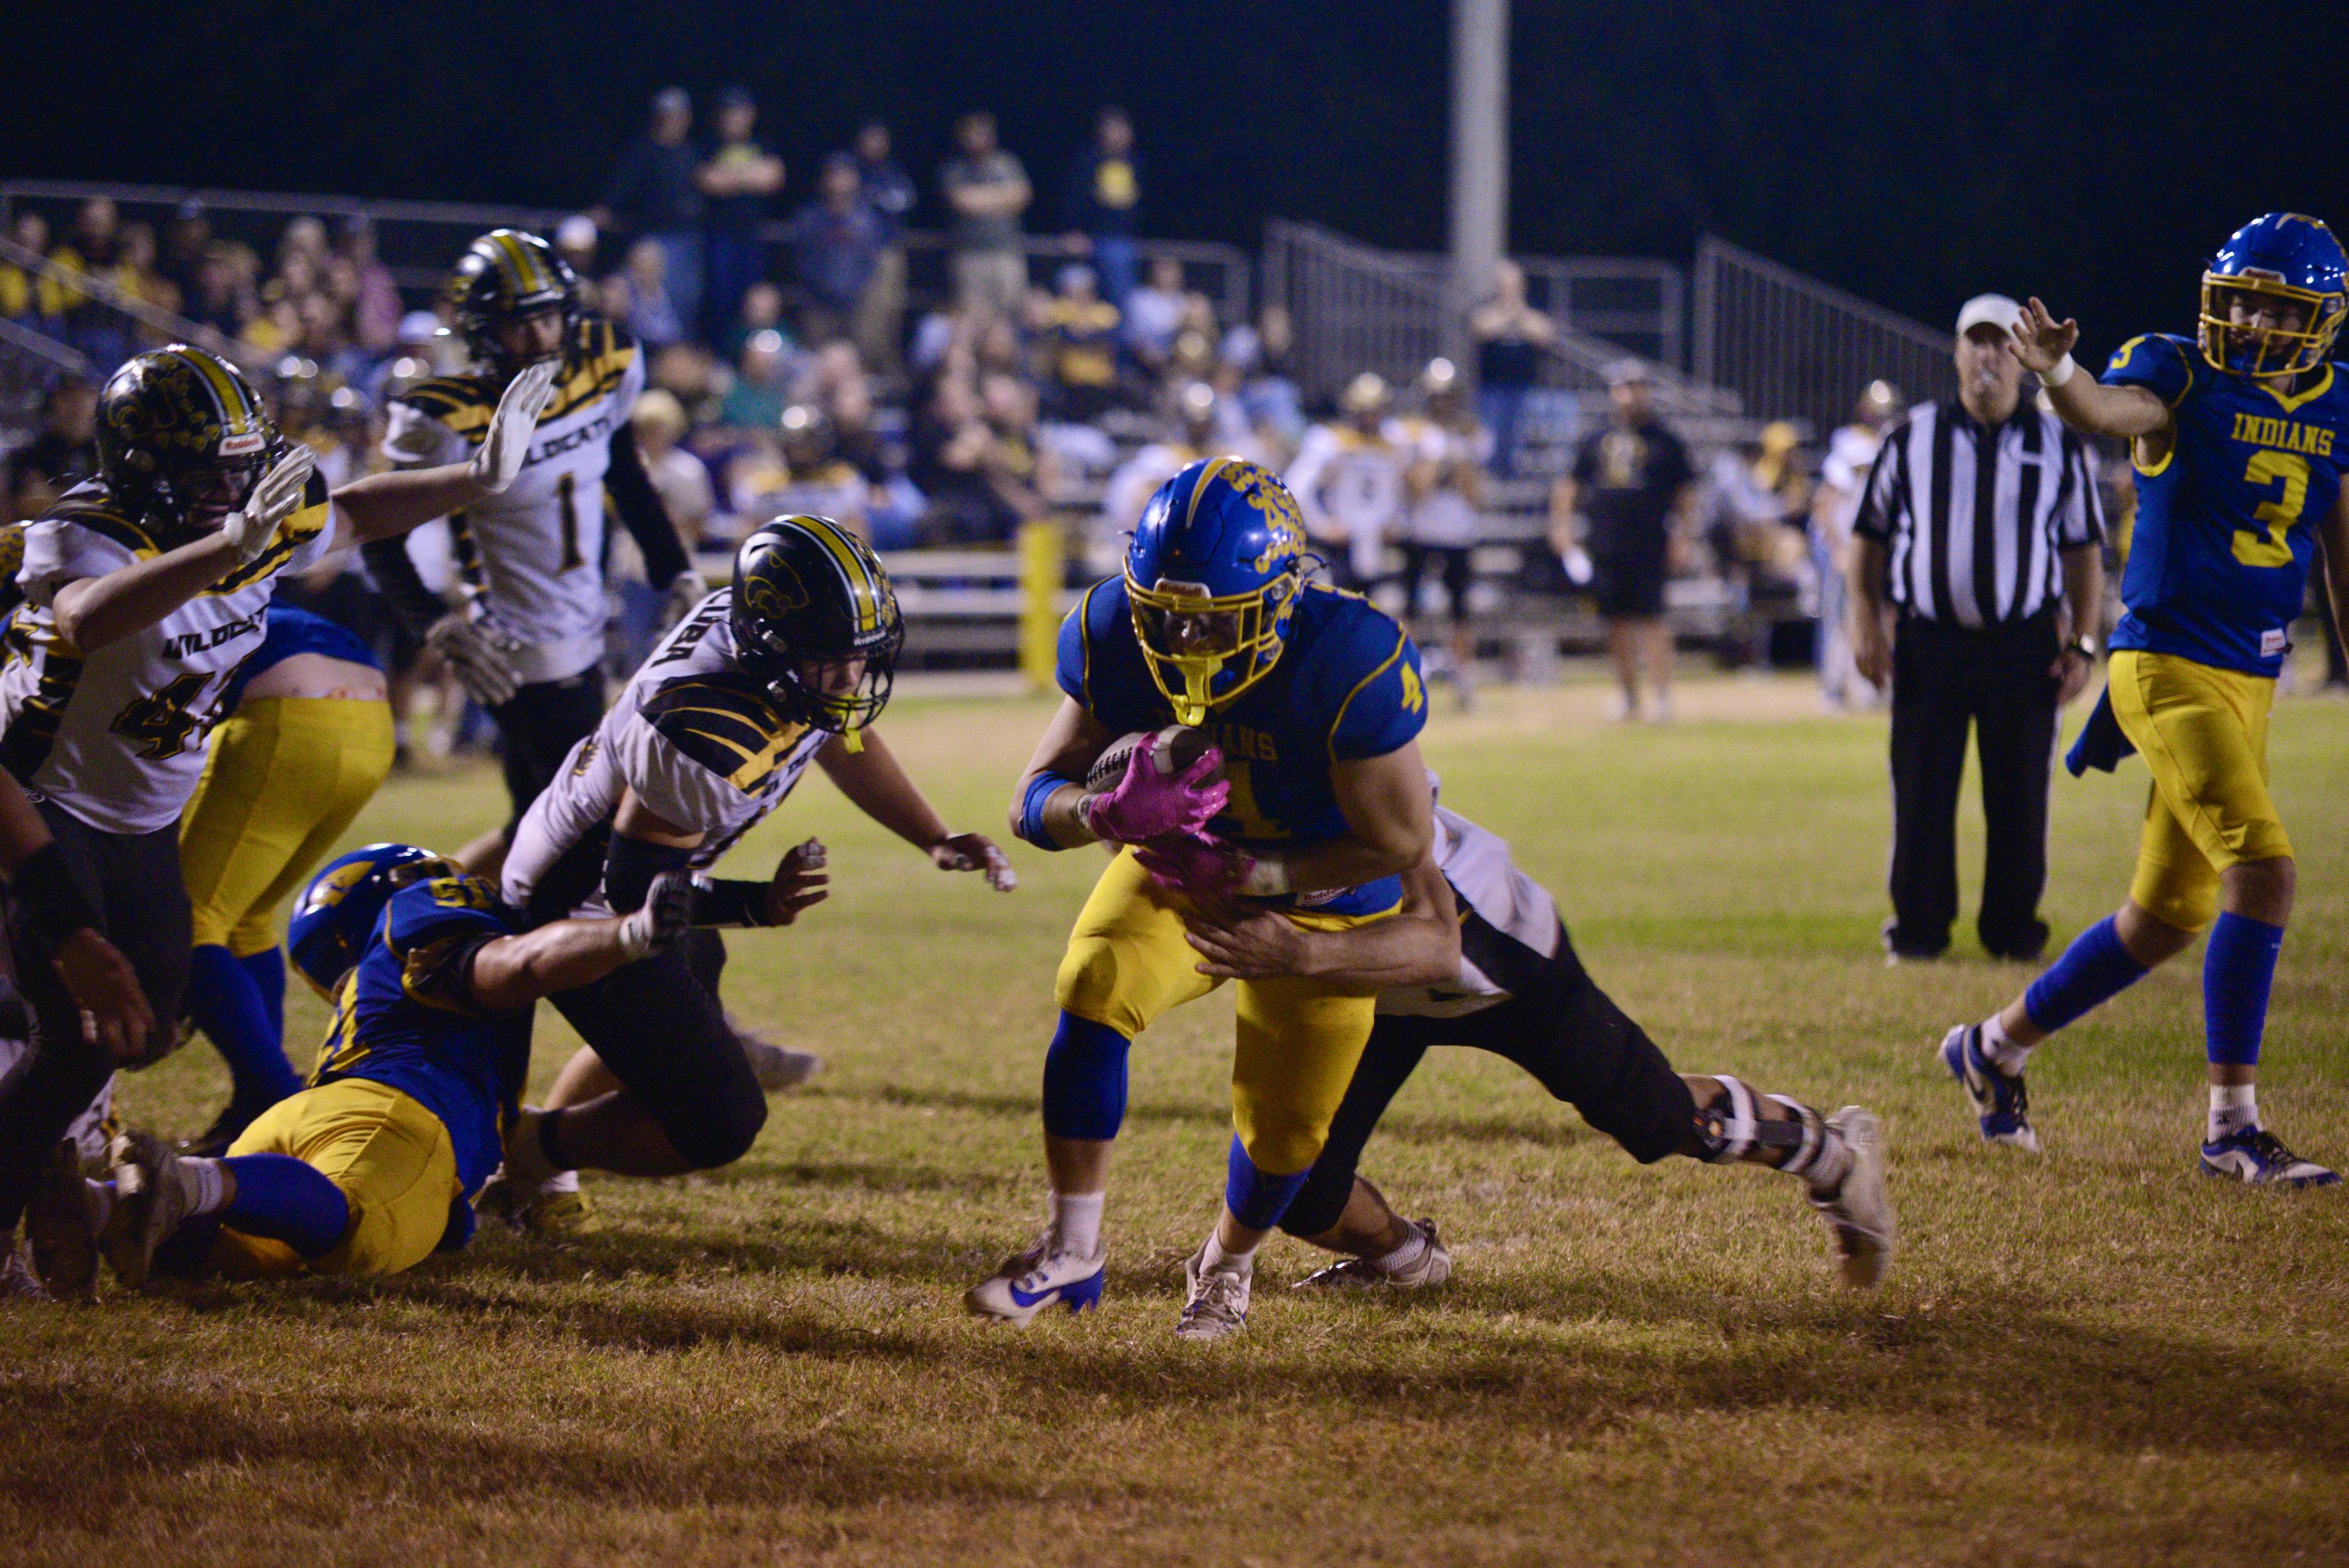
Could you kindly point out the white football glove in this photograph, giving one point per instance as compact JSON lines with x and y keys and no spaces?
{"x":507,"y":442}
{"x":685,"y":592}
{"x":480,"y":654}
{"x":252,"y":526}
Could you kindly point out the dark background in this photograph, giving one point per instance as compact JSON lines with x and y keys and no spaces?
{"x":1913,"y":152}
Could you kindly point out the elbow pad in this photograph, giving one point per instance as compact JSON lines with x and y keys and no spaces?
{"x":629,"y":867}
{"x":1031,"y":810}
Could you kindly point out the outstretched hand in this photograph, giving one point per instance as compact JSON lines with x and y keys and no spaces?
{"x":2039,"y":340}
{"x":801,"y":882}
{"x":507,"y":442}
{"x":974,"y":852}
{"x":253,"y":526}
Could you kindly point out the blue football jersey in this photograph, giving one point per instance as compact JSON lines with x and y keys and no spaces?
{"x":1347,"y":687}
{"x":406,"y":1017}
{"x":2225,"y":523}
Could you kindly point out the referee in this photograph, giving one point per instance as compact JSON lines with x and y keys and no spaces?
{"x":1977,"y":583}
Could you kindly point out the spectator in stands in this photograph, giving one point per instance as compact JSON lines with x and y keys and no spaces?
{"x":641,"y":297}
{"x":1511,"y":338}
{"x":817,"y":480}
{"x":1254,"y":357}
{"x":26,"y":296}
{"x":1077,"y":344}
{"x":655,"y":197}
{"x":972,"y":483}
{"x":1137,"y":479}
{"x":1761,"y":502}
{"x":189,"y":236}
{"x":575,"y":241}
{"x":93,"y":249}
{"x":881,"y":314}
{"x":679,"y":478}
{"x":1446,"y":450}
{"x":64,"y":453}
{"x":1349,"y":480}
{"x":762,"y":385}
{"x":686,"y":372}
{"x":1851,"y":451}
{"x":986,"y":190}
{"x":836,"y":243}
{"x":1102,"y":208}
{"x":135,"y":273}
{"x":736,"y":181}
{"x":1154,"y":315}
{"x":220,"y":299}
{"x":761,"y":311}
{"x":1631,"y":485}
{"x":376,"y":311}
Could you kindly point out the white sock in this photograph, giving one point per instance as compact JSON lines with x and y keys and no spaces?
{"x":98,"y":1200}
{"x":205,"y":1182}
{"x":2004,"y":1053}
{"x":1402,"y":1257}
{"x":1216,"y":1260}
{"x":561,"y":1181}
{"x":1076,"y":1223}
{"x":2234,"y":1107}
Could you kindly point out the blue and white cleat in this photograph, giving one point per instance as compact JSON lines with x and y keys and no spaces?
{"x":2259,"y":1158}
{"x":1038,"y":1278}
{"x":1998,"y":1099}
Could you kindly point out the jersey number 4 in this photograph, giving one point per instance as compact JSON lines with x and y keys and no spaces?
{"x":2270,"y":546}
{"x":165,"y":723}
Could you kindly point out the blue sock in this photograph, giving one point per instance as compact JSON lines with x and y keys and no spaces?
{"x":1084,"y":1079}
{"x":279,"y":1197}
{"x":267,"y":968}
{"x":2093,"y":970}
{"x":2238,"y":968}
{"x":1257,"y":1198}
{"x":230,"y":1008}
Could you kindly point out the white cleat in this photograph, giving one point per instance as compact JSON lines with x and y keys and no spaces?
{"x":1214,"y":1304}
{"x":1429,"y":1270}
{"x":150,"y":1201}
{"x":1041,"y":1277}
{"x":776,"y":1067}
{"x":1858,"y":1212}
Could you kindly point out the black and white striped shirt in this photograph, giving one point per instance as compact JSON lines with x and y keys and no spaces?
{"x":1973,"y":518}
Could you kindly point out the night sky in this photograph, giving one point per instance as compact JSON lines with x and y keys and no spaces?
{"x":1914,"y":152}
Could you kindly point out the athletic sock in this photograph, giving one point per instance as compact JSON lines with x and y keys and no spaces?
{"x":1214,"y":1259}
{"x":281,"y":1198}
{"x":1828,"y":1168}
{"x":2238,"y":969}
{"x":1414,"y":1248}
{"x":2001,"y":1052}
{"x":1076,"y":1223}
{"x":2234,"y":1108}
{"x":228,"y":1006}
{"x":205,"y":1181}
{"x":2093,"y":970}
{"x":267,"y":970}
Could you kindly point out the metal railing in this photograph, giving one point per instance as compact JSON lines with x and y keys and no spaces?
{"x":1793,"y":347}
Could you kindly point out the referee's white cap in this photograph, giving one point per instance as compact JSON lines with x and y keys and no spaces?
{"x":1995,"y":308}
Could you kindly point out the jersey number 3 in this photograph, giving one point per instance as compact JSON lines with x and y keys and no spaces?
{"x":2270,"y":546}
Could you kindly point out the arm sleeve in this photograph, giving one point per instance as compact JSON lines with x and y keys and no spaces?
{"x":2157,"y":362}
{"x":640,"y":509}
{"x":312,"y":527}
{"x":629,"y":867}
{"x":1386,"y":708}
{"x":397,"y":579}
{"x":1881,"y":501}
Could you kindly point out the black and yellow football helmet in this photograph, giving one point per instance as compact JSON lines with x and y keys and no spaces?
{"x":815,"y":621}
{"x":182,"y":438}
{"x":504,"y":276}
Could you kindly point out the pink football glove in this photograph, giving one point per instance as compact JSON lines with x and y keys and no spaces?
{"x":1148,"y":804}
{"x":1198,"y":864}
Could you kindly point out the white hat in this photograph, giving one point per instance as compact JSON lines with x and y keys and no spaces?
{"x":1995,"y":308}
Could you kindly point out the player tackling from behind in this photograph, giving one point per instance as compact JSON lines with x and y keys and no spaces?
{"x":2237,"y":439}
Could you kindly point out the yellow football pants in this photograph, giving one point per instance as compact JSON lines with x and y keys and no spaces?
{"x":391,"y":1158}
{"x":1298,"y":1040}
{"x":2203,"y":732}
{"x":285,"y":776}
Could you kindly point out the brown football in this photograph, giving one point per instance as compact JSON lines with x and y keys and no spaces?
{"x":1179,"y":745}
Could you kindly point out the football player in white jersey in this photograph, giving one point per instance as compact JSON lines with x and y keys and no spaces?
{"x":527,"y":641}
{"x":144,"y":590}
{"x":788,"y":666}
{"x":1479,"y":956}
{"x":1347,"y":477}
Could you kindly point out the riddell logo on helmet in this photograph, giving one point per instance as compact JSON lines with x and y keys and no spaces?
{"x":241,"y":446}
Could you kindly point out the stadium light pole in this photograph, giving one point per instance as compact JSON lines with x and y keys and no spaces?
{"x":1480,"y":155}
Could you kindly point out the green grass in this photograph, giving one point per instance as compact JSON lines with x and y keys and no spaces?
{"x":2094,"y":1355}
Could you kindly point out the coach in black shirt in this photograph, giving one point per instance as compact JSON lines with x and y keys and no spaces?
{"x":1976,"y":587}
{"x":1630,"y":481}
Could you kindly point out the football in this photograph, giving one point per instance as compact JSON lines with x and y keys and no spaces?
{"x":1179,"y":746}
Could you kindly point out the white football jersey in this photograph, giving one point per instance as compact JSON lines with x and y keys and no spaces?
{"x":1443,"y":516}
{"x":700,"y":742}
{"x":117,"y":737}
{"x":536,"y":551}
{"x":1350,"y":488}
{"x":1504,"y":915}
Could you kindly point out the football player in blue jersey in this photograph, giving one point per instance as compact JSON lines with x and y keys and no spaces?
{"x":2239,"y":438}
{"x":1313,"y":700}
{"x":373,"y":1166}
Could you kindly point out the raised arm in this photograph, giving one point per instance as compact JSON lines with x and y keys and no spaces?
{"x":2044,"y":345}
{"x":383,"y":505}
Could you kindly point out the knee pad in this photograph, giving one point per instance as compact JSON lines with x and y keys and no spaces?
{"x":1728,"y":1130}
{"x":720,"y":1131}
{"x":1084,"y":1079}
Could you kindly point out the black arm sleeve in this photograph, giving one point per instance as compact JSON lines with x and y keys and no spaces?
{"x":394,"y":571}
{"x":629,"y":867}
{"x":640,"y":509}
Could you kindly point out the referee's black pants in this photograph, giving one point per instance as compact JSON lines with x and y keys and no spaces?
{"x":1946,"y":676}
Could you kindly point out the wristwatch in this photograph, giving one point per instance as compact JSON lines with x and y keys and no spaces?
{"x":2085,"y":647}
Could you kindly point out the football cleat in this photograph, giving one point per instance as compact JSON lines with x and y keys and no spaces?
{"x":1041,"y":1277}
{"x":1858,"y":1212}
{"x":1430,"y":1269}
{"x":1214,"y":1304}
{"x":775,"y":1066}
{"x":2258,"y":1156}
{"x":555,"y":1211}
{"x":56,"y":1221}
{"x":19,"y":1283}
{"x":150,"y":1201}
{"x":1998,"y":1099}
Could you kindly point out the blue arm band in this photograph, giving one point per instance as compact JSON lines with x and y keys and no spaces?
{"x":1031,"y":810}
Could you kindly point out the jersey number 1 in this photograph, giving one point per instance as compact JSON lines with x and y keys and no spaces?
{"x":564,"y":491}
{"x":2270,"y":546}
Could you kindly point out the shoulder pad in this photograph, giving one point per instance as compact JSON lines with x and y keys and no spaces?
{"x":725,"y":722}
{"x":458,"y":402}
{"x":90,"y":505}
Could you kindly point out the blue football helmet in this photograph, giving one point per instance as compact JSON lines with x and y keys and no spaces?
{"x":2285,"y":265}
{"x":334,"y":916}
{"x":1214,"y":572}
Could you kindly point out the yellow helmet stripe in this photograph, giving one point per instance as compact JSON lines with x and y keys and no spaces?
{"x":863,"y":592}
{"x":1215,"y":466}
{"x":529,"y":276}
{"x":238,"y":416}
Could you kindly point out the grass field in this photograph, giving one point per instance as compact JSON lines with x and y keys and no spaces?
{"x":2090,"y":1356}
